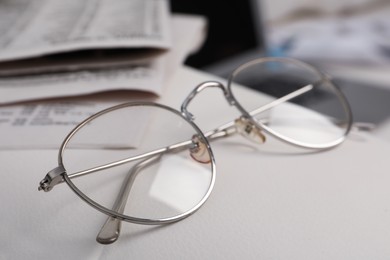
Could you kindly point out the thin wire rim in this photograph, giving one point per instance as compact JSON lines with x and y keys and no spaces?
{"x":279,"y":136}
{"x":127,"y":218}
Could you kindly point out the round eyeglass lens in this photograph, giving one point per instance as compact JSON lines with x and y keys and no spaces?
{"x":293,"y":101}
{"x":142,"y":161}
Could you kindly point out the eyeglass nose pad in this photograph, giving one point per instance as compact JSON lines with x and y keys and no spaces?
{"x":249,"y":130}
{"x":199,"y":150}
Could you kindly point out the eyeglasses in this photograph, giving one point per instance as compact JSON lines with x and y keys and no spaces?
{"x":160,"y":159}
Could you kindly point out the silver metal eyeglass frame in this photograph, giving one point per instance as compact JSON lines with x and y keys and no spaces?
{"x":110,"y":231}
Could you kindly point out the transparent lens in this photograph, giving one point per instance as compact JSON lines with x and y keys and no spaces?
{"x":142,"y":150}
{"x":293,"y":101}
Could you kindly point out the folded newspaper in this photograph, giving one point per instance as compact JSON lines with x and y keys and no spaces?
{"x":54,"y":48}
{"x":53,"y":35}
{"x":43,"y":124}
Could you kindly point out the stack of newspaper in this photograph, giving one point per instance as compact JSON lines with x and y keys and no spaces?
{"x":61,"y":61}
{"x":54,"y":48}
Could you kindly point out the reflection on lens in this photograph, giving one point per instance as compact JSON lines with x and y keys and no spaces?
{"x":149,"y":147}
{"x":293,"y":101}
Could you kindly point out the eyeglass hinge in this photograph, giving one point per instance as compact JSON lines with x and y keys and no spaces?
{"x":52,"y":178}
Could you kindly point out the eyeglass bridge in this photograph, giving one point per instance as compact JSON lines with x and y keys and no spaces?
{"x":198,"y":89}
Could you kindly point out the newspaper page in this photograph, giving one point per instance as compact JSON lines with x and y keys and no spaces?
{"x":146,"y":77}
{"x":101,"y":42}
{"x":43,"y":125}
{"x":41,"y":36}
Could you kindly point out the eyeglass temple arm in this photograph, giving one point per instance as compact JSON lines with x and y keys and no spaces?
{"x":55,"y":176}
{"x":281,"y":100}
{"x":110,"y":230}
{"x":228,"y":128}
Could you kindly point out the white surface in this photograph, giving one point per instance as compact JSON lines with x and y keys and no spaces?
{"x":269,"y":202}
{"x":184,"y":175}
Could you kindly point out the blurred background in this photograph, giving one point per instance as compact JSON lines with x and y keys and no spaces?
{"x":352,"y":32}
{"x":348,"y":39}
{"x":235,"y":33}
